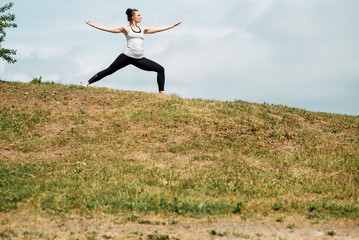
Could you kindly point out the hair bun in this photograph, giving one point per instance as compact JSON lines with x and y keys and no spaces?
{"x":129,"y":12}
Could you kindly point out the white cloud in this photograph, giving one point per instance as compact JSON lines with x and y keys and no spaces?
{"x":2,"y":66}
{"x":258,"y":8}
{"x":18,"y":77}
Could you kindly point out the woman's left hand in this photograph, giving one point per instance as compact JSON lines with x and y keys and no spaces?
{"x":175,"y":25}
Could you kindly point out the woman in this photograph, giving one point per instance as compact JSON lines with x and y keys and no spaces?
{"x":134,"y":51}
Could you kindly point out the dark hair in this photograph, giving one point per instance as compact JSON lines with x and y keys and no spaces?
{"x":130,"y":12}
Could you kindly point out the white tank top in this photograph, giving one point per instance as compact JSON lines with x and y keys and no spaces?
{"x":135,"y":45}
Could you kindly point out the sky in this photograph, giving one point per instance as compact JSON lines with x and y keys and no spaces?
{"x":297,"y":53}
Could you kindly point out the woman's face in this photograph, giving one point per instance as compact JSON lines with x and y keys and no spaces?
{"x":137,"y":17}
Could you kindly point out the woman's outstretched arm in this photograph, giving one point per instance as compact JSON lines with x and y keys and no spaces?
{"x":121,"y":29}
{"x":149,"y":30}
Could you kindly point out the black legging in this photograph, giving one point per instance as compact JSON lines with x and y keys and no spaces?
{"x":143,"y":63}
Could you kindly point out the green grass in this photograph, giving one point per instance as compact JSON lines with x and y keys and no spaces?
{"x":67,"y":148}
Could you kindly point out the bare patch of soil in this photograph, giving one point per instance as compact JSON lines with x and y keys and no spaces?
{"x":36,"y":226}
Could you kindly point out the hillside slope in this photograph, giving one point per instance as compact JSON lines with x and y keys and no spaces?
{"x":68,"y":148}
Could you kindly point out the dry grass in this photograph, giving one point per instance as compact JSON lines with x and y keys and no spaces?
{"x":93,"y":150}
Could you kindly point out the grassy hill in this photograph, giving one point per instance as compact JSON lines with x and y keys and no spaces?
{"x":93,"y":150}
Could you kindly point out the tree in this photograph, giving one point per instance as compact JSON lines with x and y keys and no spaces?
{"x":6,"y":22}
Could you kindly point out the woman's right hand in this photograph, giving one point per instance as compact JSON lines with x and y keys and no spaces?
{"x":90,"y":23}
